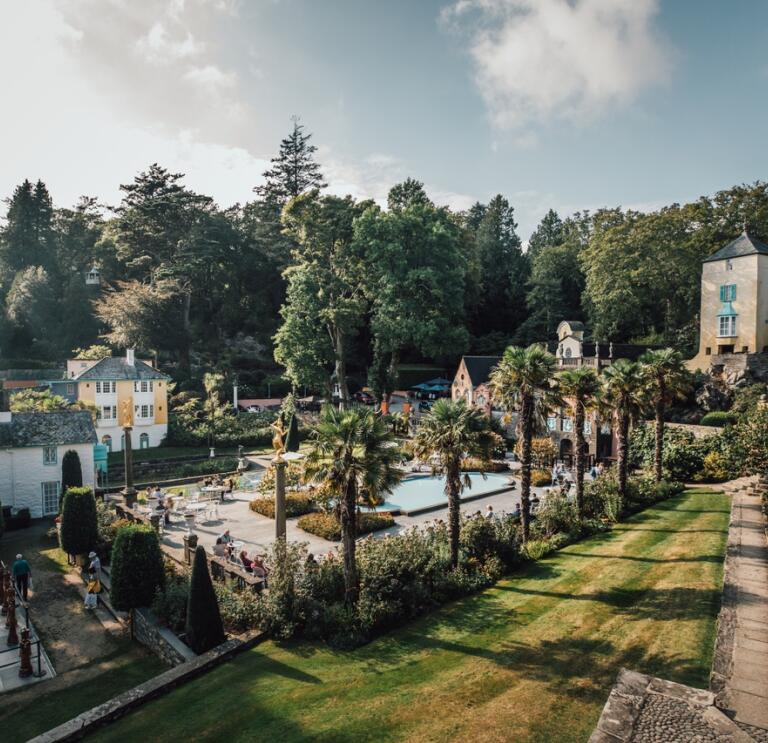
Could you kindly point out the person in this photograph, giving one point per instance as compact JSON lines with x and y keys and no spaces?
{"x":259,"y":568}
{"x":93,"y":590}
{"x":226,"y":537}
{"x":21,"y":573}
{"x":600,"y":469}
{"x":517,"y":509}
{"x":554,"y":474}
{"x":489,"y":514}
{"x":220,"y":549}
{"x":535,"y":503}
{"x":95,"y":563}
{"x":247,"y":562}
{"x":593,"y":473}
{"x":157,"y":493}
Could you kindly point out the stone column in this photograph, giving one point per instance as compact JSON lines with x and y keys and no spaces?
{"x":190,"y":545}
{"x":154,"y":519}
{"x":279,"y":464}
{"x":129,"y":492}
{"x":25,"y":652}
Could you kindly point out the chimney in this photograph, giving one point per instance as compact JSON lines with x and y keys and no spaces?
{"x":129,"y":356}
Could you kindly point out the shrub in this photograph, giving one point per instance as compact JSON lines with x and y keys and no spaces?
{"x":471,"y":464}
{"x":296,"y":504}
{"x":240,"y":608}
{"x":718,"y":418}
{"x":537,"y":548}
{"x":714,"y":469}
{"x":204,"y":628}
{"x":79,"y":531}
{"x":170,"y":604}
{"x":601,"y":498}
{"x":555,"y":515}
{"x":327,"y":526}
{"x":682,"y":456}
{"x":208,"y":467}
{"x":292,"y":439}
{"x":137,"y":568}
{"x":71,"y":471}
{"x":543,"y":451}
{"x":539,"y":478}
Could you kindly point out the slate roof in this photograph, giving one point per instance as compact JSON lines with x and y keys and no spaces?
{"x":48,"y":429}
{"x":32,"y":375}
{"x":574,"y":324}
{"x":116,"y":367}
{"x":743,"y":245}
{"x":479,"y":367}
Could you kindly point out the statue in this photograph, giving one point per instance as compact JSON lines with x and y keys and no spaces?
{"x":278,"y":440}
{"x":126,"y":419}
{"x":25,"y":653}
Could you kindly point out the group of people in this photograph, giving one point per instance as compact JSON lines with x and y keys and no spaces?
{"x":252,"y":563}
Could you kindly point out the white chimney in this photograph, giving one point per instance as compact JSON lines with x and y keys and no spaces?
{"x":129,"y":356}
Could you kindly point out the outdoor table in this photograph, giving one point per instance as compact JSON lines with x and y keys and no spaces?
{"x":220,"y":489}
{"x":236,"y":544}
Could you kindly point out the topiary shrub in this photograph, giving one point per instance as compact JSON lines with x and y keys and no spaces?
{"x":137,"y":568}
{"x":327,"y":526}
{"x":79,"y":530}
{"x":539,"y":478}
{"x":296,"y":504}
{"x":292,"y":440}
{"x":718,"y":418}
{"x":71,"y":472}
{"x":203,"y":626}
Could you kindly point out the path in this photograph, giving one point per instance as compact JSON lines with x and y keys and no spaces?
{"x":742,"y":663}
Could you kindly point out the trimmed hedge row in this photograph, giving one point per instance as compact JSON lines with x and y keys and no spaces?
{"x":471,"y":464}
{"x":327,"y":526}
{"x":296,"y":504}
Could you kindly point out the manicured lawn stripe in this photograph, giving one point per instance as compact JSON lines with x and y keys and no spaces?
{"x":531,"y":659}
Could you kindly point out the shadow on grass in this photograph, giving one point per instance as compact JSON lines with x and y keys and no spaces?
{"x":701,"y":558}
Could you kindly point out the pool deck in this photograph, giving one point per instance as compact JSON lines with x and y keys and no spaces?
{"x":258,"y":532}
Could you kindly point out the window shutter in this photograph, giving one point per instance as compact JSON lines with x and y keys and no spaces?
{"x":722,"y":294}
{"x":733,"y":292}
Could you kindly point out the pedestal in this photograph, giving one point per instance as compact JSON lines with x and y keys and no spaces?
{"x":129,"y":492}
{"x":190,"y":545}
{"x":154,"y":519}
{"x":279,"y":498}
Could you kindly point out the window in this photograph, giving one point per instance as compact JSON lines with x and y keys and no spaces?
{"x":145,"y":411}
{"x":150,"y":385}
{"x":552,"y":424}
{"x":70,"y":389}
{"x":729,"y":265}
{"x":109,"y":412}
{"x":98,"y":387}
{"x":726,"y":326}
{"x":568,"y":353}
{"x":708,"y":351}
{"x":106,"y":387}
{"x":144,"y":386}
{"x":588,"y":428}
{"x":50,"y":497}
{"x":49,"y":455}
{"x":107,"y":441}
{"x":151,"y":411}
{"x":135,"y":386}
{"x":728,"y":292}
{"x":567,"y":425}
{"x":144,"y":441}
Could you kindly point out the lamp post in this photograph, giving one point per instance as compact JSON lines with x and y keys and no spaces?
{"x":129,"y":492}
{"x":280,"y":461}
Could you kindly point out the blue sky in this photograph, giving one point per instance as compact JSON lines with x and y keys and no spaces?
{"x":569,"y":104}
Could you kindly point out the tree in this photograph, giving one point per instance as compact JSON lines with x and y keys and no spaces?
{"x":666,"y":379}
{"x":548,"y":234}
{"x":94,"y":353}
{"x":623,"y":394}
{"x":325,"y":300}
{"x":137,"y":568}
{"x":294,"y":170}
{"x":353,"y":454}
{"x":504,"y":270}
{"x":31,"y":306}
{"x":292,"y":440}
{"x":71,"y":471}
{"x":44,"y":401}
{"x":580,"y":389}
{"x":213,"y":409}
{"x":204,"y":628}
{"x":415,"y":280}
{"x":28,"y":237}
{"x":452,"y":431}
{"x":79,"y":532}
{"x":522,"y":379}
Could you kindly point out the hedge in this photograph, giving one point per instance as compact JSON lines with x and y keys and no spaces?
{"x":327,"y":526}
{"x":296,"y":504}
{"x":71,"y":471}
{"x":718,"y":418}
{"x":137,"y":568}
{"x":539,"y":478}
{"x":471,"y":464}
{"x":79,"y":530}
{"x":203,"y":626}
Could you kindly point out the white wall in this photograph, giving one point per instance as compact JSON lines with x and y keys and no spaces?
{"x":22,"y":473}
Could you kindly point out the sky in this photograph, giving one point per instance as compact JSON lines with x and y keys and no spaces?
{"x":564,"y":104}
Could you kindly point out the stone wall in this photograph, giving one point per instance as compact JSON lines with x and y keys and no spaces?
{"x":160,"y":640}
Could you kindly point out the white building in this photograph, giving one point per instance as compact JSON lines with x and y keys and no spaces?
{"x":32,"y":447}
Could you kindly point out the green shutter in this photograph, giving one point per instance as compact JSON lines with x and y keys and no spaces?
{"x":733,"y":292}
{"x":722,"y":293}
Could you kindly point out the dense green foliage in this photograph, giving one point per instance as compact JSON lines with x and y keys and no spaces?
{"x":137,"y":568}
{"x":327,"y":526}
{"x":296,"y":504}
{"x":718,"y":418}
{"x":71,"y":471}
{"x":203,"y":621}
{"x":79,"y":531}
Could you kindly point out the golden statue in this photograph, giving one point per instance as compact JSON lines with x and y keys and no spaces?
{"x":278,"y":440}
{"x":125,"y":414}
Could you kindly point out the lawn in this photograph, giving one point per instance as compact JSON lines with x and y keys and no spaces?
{"x":531,"y":659}
{"x":159,"y":453}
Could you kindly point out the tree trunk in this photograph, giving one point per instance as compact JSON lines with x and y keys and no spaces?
{"x":341,"y":368}
{"x":453,"y":490}
{"x":390,"y":382}
{"x":580,"y":446}
{"x":526,"y":426}
{"x":622,"y":453}
{"x":348,"y":536}
{"x":658,"y":454}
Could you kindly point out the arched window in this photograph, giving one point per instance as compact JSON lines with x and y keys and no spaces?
{"x":144,"y":441}
{"x":107,"y":441}
{"x":568,"y":353}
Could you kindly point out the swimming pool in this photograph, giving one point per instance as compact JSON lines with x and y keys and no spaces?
{"x":425,"y":492}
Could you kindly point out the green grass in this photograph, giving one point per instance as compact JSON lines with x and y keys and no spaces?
{"x":32,"y":711}
{"x":531,"y":659}
{"x":160,"y":453}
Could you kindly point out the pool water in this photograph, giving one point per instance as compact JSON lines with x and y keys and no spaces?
{"x":425,"y":492}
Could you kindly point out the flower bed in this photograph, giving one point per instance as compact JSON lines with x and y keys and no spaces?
{"x":326,"y":525}
{"x":472,"y":464}
{"x":296,"y":504}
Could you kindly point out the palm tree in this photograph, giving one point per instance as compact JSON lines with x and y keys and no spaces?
{"x":623,"y":393}
{"x":580,"y":388}
{"x":353,"y":454}
{"x":523,"y":379}
{"x":666,"y":379}
{"x":451,"y":431}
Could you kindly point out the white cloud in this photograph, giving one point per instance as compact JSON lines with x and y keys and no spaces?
{"x":537,"y":60}
{"x":210,"y":77}
{"x":158,"y":47}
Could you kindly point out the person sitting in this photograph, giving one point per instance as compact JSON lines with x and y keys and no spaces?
{"x":220,"y":549}
{"x":247,"y":562}
{"x":258,"y":568}
{"x":489,"y":514}
{"x":226,"y":537}
{"x":157,"y":493}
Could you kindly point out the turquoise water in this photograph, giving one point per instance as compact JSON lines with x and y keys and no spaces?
{"x":424,"y":491}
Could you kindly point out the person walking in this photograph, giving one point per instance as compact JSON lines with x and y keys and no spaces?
{"x":21,"y":574}
{"x":95,"y":564}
